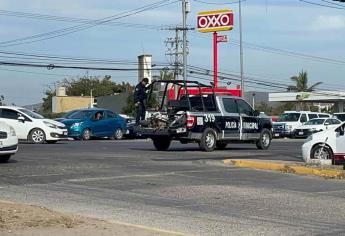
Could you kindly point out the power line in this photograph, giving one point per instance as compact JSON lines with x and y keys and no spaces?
{"x":74,"y":20}
{"x":322,"y":5}
{"x":333,"y":3}
{"x":73,"y":29}
{"x":218,"y":3}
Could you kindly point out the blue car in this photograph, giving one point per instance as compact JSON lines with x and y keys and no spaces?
{"x":95,"y":123}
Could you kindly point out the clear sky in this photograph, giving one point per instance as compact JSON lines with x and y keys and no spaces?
{"x":290,"y":25}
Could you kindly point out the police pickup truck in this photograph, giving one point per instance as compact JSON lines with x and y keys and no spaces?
{"x":191,"y":112}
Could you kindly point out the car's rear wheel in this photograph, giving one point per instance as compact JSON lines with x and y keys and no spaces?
{"x":265,"y":139}
{"x":162,"y":143}
{"x":37,"y":136}
{"x":86,"y":134}
{"x":118,"y":134}
{"x":321,"y":151}
{"x":208,"y":140}
{"x":5,"y":158}
{"x":221,"y":145}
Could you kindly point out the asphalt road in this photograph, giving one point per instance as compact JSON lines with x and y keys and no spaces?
{"x":183,"y":189}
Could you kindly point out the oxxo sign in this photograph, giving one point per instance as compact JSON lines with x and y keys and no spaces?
{"x":213,"y":21}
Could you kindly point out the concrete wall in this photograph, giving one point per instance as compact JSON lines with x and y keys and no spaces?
{"x":68,"y":103}
{"x":114,"y":103}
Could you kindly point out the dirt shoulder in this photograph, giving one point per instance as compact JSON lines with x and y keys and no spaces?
{"x":24,"y":220}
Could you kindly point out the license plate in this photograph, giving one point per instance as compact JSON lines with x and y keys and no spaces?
{"x":300,"y":133}
{"x":127,"y":131}
{"x":1,"y":145}
{"x":181,"y":130}
{"x":276,"y":135}
{"x":65,"y":133}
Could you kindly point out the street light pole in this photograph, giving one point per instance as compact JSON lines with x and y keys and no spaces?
{"x":241,"y":46}
{"x":185,"y":10}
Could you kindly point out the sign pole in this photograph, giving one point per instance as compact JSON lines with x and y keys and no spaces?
{"x":215,"y":59}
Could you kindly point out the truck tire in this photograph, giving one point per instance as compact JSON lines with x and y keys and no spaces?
{"x":221,"y":145}
{"x":265,"y":139}
{"x":208,"y":140}
{"x":5,"y":158}
{"x":161,"y":143}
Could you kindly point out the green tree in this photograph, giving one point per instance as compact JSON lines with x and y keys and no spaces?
{"x":302,"y":83}
{"x":82,"y":87}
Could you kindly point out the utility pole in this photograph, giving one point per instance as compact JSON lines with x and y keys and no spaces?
{"x":185,"y":11}
{"x":241,"y":47}
{"x":174,"y":46}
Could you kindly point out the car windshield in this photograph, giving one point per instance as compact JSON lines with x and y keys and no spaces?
{"x":31,"y":114}
{"x":340,"y":116}
{"x":69,"y":114}
{"x":81,"y":114}
{"x":315,"y":122}
{"x":289,"y":117}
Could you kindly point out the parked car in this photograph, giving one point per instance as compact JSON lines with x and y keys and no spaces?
{"x":95,"y":122}
{"x":8,"y":142}
{"x":290,"y":120}
{"x":315,"y":125}
{"x":326,"y":145}
{"x":32,"y":126}
{"x":340,"y":116}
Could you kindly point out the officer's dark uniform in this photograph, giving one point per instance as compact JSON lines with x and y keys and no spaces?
{"x":140,"y":97}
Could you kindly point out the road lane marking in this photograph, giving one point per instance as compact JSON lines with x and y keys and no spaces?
{"x":150,"y":228}
{"x":138,"y":176}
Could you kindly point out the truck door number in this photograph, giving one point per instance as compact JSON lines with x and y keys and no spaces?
{"x":209,"y":118}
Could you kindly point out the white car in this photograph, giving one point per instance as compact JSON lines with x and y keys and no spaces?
{"x":32,"y":126}
{"x":327,"y":146}
{"x":315,"y":125}
{"x":8,"y":142}
{"x":290,"y":120}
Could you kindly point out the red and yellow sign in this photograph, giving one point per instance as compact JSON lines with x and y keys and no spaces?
{"x":213,"y":21}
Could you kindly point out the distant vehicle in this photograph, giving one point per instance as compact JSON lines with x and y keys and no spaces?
{"x":314,"y":126}
{"x":95,"y":122}
{"x":32,"y":126}
{"x":340,"y":116}
{"x":290,"y":120}
{"x":8,"y":142}
{"x":66,"y":116}
{"x":326,"y":145}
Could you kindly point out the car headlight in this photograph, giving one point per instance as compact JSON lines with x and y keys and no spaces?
{"x":76,"y":124}
{"x":12,"y":132}
{"x":313,"y":129}
{"x":50,"y":125}
{"x":288,"y":127}
{"x":308,"y":139}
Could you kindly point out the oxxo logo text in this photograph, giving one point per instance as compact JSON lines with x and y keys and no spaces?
{"x":219,"y":20}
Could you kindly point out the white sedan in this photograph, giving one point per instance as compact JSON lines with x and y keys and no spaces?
{"x":326,"y":146}
{"x":314,"y":126}
{"x":8,"y":142}
{"x":32,"y":126}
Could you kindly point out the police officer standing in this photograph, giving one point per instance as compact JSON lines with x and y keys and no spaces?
{"x":139,"y":100}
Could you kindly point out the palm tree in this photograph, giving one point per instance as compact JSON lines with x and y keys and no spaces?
{"x":302,"y":83}
{"x":302,"y":86}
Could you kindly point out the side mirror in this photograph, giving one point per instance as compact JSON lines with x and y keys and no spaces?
{"x":21,"y":119}
{"x":327,"y":123}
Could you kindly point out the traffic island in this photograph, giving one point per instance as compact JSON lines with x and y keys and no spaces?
{"x":329,"y":172}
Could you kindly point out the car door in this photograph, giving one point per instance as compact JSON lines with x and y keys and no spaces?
{"x":249,"y":122}
{"x":99,"y":126}
{"x":339,"y":152}
{"x":113,"y":122}
{"x":10,"y":117}
{"x":231,"y":119}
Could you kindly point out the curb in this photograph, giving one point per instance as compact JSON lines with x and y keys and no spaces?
{"x":288,"y":168}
